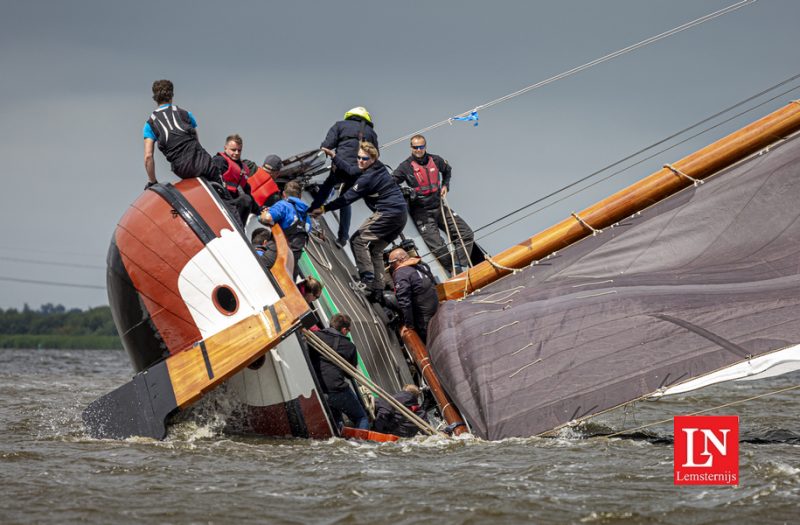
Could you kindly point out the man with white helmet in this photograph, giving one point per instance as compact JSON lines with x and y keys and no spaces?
{"x":344,"y":138}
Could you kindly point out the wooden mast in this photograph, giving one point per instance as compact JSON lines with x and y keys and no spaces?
{"x":632,"y":199}
{"x":421,"y":357}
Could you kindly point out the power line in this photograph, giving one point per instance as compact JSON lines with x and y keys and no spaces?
{"x":578,"y":69}
{"x":52,"y":283}
{"x":51,"y":263}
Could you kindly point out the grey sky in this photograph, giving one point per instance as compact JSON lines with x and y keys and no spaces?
{"x":76,"y":76}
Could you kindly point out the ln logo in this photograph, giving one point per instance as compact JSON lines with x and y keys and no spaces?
{"x":706,"y":450}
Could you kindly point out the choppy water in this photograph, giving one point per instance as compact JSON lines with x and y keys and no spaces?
{"x":50,"y":471}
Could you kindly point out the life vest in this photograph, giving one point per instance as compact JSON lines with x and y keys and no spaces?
{"x":235,"y":175}
{"x":427,"y":177}
{"x":262,"y":186}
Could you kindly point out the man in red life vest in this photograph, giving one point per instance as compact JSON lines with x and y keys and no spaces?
{"x":234,"y":177}
{"x":428,"y":176}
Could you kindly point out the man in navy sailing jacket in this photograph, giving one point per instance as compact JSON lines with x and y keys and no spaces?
{"x":344,"y":138}
{"x":415,"y":290}
{"x":175,"y":131}
{"x":384,"y":198}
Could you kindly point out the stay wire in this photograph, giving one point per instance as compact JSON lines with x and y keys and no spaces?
{"x":635,"y":154}
{"x":659,"y":152}
{"x":578,"y":69}
{"x":646,"y":148}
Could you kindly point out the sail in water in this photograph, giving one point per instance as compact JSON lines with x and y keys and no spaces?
{"x":700,"y":287}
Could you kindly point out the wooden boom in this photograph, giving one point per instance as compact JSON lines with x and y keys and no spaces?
{"x":632,"y":199}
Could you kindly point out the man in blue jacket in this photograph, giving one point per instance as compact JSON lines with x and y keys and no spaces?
{"x":389,"y":213}
{"x":291,"y":214}
{"x":344,"y":138}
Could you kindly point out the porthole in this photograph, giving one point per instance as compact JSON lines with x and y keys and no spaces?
{"x":225,"y":300}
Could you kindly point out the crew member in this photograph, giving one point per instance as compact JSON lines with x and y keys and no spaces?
{"x":341,"y":398}
{"x":264,"y":181}
{"x":291,"y":214}
{"x":344,"y":138}
{"x":264,"y":246}
{"x":415,"y":289}
{"x":175,"y":131}
{"x":389,"y":213}
{"x":389,"y":420}
{"x":428,"y":176}
{"x":235,"y":178}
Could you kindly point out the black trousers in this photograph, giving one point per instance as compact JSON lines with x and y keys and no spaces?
{"x":430,"y":222}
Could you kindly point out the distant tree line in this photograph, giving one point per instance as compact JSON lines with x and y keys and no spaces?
{"x":53,"y":326}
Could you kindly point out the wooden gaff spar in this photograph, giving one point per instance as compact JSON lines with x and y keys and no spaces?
{"x":634,"y":198}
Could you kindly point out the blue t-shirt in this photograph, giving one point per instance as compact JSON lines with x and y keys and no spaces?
{"x":148,"y":131}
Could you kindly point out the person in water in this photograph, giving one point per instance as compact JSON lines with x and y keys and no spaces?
{"x":428,"y":176}
{"x":415,"y":289}
{"x":334,"y":382}
{"x":389,"y":420}
{"x":389,"y":213}
{"x":235,"y":178}
{"x":344,"y":138}
{"x":174,"y":129}
{"x":291,"y":214}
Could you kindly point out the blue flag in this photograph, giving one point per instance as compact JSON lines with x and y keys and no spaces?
{"x":473,"y":116}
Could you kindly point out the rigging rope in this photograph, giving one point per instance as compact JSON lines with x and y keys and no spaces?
{"x":614,"y":174}
{"x":469,"y":113}
{"x":732,"y":403}
{"x":633,"y":155}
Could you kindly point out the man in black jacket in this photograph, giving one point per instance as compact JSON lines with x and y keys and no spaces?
{"x":344,"y":138}
{"x":415,"y":290}
{"x":389,"y":420}
{"x":428,"y":176}
{"x":341,"y":398}
{"x":384,"y":198}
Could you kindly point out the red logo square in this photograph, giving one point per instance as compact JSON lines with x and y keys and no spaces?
{"x":706,"y":450}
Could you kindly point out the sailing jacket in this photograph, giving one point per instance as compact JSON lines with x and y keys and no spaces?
{"x":405,"y":173}
{"x":344,"y":138}
{"x":330,"y":375}
{"x":390,"y":421}
{"x":374,"y":185}
{"x":416,"y":294}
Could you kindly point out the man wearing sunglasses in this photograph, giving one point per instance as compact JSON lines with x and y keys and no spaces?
{"x":383,"y":197}
{"x":428,"y":176}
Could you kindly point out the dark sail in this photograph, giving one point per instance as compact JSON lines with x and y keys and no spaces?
{"x":701,"y":281}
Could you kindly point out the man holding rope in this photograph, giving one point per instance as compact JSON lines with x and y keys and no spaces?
{"x":428,"y":178}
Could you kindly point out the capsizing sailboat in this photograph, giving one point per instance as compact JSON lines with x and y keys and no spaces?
{"x":686,"y":278}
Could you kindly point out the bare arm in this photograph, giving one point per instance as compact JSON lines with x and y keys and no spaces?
{"x":149,"y":163}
